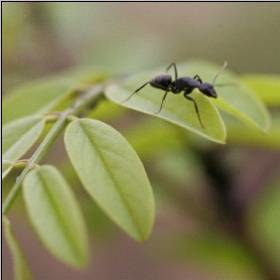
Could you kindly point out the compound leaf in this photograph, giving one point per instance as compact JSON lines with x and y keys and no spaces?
{"x":112,"y":173}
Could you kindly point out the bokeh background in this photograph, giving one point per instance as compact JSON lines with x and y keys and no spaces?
{"x":193,"y":237}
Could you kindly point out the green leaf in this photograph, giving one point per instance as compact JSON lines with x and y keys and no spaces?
{"x":106,"y":110}
{"x":35,"y":97}
{"x":55,"y":215}
{"x":20,"y":266}
{"x":236,"y":99}
{"x":263,"y":221}
{"x":176,"y":109}
{"x":267,"y":87}
{"x":112,"y":173}
{"x":47,"y":94}
{"x":19,"y":136}
{"x":237,"y":135}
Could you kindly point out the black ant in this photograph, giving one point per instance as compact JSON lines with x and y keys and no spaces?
{"x":185,"y":84}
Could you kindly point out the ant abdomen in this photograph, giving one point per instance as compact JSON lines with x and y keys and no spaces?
{"x":161,"y":82}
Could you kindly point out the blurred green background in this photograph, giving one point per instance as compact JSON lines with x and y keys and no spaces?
{"x":42,"y":38}
{"x":191,"y":239}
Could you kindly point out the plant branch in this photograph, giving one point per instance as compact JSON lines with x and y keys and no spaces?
{"x":85,"y":100}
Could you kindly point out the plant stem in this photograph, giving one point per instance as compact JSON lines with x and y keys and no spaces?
{"x":92,"y":95}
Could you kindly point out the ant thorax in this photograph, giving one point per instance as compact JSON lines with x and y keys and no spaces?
{"x":184,"y":83}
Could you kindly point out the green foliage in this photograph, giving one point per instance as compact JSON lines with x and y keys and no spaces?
{"x":253,"y":137}
{"x":106,"y":111}
{"x":174,"y":110}
{"x":37,"y":97}
{"x":159,"y":137}
{"x":20,"y":135}
{"x":267,"y":87}
{"x":6,"y":168}
{"x":109,"y":168}
{"x":55,"y":215}
{"x":21,"y":269}
{"x":220,"y":254}
{"x":264,"y":217}
{"x":235,"y":99}
{"x":113,"y":175}
{"x":47,"y":94}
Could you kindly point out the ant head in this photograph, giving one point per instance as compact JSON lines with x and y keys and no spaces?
{"x":161,"y":81}
{"x":208,"y":89}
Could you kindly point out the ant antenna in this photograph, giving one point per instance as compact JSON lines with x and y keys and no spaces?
{"x":219,"y":72}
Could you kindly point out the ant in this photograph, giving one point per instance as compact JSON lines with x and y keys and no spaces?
{"x":183,"y":84}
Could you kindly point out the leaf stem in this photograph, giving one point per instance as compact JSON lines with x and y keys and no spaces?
{"x":89,"y":97}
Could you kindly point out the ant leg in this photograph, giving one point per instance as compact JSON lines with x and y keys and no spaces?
{"x":162,"y":101}
{"x":135,"y":92}
{"x":196,"y":77}
{"x":175,"y":69}
{"x":195,"y":106}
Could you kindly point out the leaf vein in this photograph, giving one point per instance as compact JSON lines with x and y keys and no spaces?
{"x":115,"y":183}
